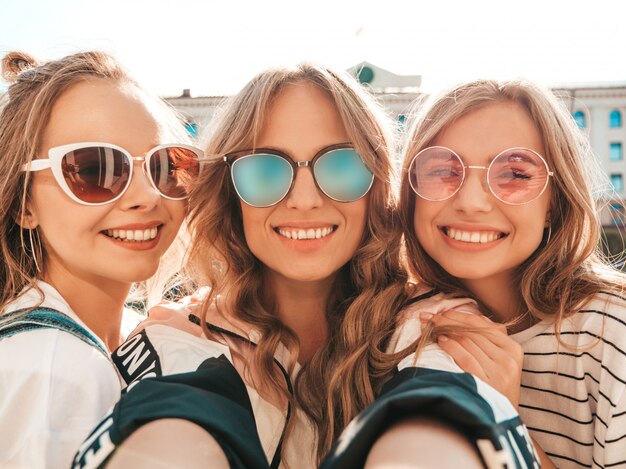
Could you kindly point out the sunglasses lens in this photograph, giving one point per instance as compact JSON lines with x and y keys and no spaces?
{"x":261,"y":180}
{"x":172,"y":170}
{"x":96,"y":174}
{"x":518,"y":176}
{"x":342,"y":175}
{"x":436,"y":173}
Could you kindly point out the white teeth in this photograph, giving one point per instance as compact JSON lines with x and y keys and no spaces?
{"x":473,"y":236}
{"x":134,"y":235}
{"x":311,"y":233}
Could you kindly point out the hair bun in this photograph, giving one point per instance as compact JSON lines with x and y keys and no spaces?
{"x":15,"y":63}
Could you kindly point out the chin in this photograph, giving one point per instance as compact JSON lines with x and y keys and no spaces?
{"x":139,"y":274}
{"x":306,"y":273}
{"x":466,"y":272}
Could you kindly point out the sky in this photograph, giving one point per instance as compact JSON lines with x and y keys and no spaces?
{"x":213,"y":47}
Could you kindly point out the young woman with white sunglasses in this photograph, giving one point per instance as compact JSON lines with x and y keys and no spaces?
{"x":92,"y":173}
{"x":498,"y":203}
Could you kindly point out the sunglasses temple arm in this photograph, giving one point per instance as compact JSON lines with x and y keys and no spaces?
{"x":36,"y":165}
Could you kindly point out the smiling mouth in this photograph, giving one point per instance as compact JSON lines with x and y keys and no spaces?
{"x":133,"y":235}
{"x":302,"y":234}
{"x":478,"y":237}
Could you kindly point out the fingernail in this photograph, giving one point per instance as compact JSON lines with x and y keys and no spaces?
{"x":442,"y":338}
{"x":426,"y":316}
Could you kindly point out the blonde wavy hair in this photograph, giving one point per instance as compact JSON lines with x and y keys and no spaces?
{"x":563,"y":272}
{"x":344,"y":376}
{"x":24,"y":113}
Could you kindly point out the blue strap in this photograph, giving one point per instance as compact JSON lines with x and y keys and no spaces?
{"x":42,"y":318}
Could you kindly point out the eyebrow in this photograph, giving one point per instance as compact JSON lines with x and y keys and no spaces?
{"x":290,"y":154}
{"x":514,"y":153}
{"x":515,"y":156}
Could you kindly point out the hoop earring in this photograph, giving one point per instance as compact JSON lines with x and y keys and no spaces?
{"x":34,"y":253}
{"x":549,"y":234}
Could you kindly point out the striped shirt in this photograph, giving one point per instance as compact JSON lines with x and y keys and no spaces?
{"x":573,"y":396}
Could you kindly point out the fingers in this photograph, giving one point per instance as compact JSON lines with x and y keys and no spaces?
{"x":483,"y":347}
{"x":458,"y":317}
{"x":489,"y":336}
{"x":462,"y":357}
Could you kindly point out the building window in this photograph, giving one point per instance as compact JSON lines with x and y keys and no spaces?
{"x":617,"y":182}
{"x":365,"y":75}
{"x":615,"y":119}
{"x":615,"y":151}
{"x":579,"y":118}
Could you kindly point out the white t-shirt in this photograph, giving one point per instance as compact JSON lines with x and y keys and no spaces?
{"x":53,"y":388}
{"x":573,"y":400}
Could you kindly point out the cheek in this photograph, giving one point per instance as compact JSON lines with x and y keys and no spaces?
{"x":422,"y":221}
{"x":355,"y":214}
{"x":177,"y":210}
{"x":254,"y":220}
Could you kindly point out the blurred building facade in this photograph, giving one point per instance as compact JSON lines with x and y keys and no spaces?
{"x":598,"y":108}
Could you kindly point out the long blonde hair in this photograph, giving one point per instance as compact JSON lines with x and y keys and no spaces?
{"x":24,"y":114}
{"x":344,"y":375}
{"x":565,"y":270}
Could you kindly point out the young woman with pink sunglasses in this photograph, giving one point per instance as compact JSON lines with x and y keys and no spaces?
{"x":91,"y":199}
{"x":498,"y":202}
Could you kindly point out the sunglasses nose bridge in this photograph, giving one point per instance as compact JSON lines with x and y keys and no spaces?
{"x":148,"y":177}
{"x":303,"y":164}
{"x":484,"y":179}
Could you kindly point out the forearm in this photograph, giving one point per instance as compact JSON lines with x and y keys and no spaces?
{"x":422,"y":443}
{"x":169,"y":443}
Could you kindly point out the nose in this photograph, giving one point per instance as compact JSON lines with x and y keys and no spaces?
{"x":304,"y":194}
{"x":473,"y":195}
{"x":140,"y":194}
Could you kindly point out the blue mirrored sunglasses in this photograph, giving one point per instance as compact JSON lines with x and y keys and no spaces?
{"x":263,"y":177}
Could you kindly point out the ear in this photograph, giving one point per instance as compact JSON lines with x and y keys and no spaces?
{"x":27,"y":217}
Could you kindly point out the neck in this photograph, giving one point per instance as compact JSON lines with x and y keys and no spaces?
{"x":97,"y":302}
{"x":301,"y":306}
{"x":499,"y":295}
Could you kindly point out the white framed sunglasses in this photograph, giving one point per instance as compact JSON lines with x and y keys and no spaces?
{"x":97,"y":173}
